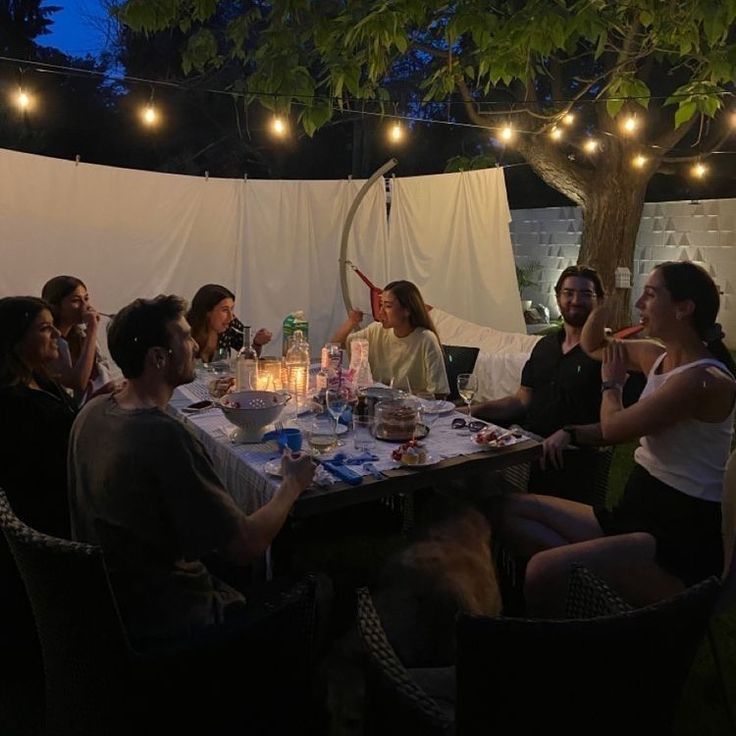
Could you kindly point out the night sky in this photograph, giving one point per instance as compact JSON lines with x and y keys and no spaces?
{"x":80,"y":28}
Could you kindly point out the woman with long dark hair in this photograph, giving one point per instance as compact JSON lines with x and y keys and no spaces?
{"x":215,"y":326}
{"x":36,"y":418}
{"x":403,"y":346}
{"x":80,"y":365}
{"x":665,"y":532}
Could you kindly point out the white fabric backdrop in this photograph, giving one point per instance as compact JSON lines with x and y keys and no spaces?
{"x":449,"y":233}
{"x":129,"y":233}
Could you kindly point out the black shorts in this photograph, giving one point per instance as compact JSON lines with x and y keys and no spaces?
{"x":687,"y":530}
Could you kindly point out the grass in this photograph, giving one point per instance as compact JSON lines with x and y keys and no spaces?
{"x":702,"y":711}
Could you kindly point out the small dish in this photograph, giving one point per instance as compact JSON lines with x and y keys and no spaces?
{"x":437,"y":407}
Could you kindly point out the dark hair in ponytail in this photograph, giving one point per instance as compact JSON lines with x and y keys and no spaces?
{"x":686,"y":280}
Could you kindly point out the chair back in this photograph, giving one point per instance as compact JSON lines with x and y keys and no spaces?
{"x":728,"y":514}
{"x":458,"y":359}
{"x":534,"y":676}
{"x":396,"y":703}
{"x":85,"y":653}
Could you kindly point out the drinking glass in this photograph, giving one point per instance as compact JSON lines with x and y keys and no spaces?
{"x":363,"y":438}
{"x":320,"y":435}
{"x":467,"y":386}
{"x":430,"y":407}
{"x":401,"y":384}
{"x":336,"y":401}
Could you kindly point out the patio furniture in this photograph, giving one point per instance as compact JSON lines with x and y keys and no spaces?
{"x":458,"y":359}
{"x":98,"y":683}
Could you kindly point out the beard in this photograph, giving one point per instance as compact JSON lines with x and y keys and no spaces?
{"x":575,"y":316}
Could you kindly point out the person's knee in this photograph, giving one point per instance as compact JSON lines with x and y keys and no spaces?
{"x":545,"y":582}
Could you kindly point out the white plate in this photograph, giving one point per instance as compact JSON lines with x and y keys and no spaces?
{"x":303,"y":424}
{"x":439,"y":407}
{"x":431,"y":460}
{"x":507,"y":441}
{"x":321,"y":476}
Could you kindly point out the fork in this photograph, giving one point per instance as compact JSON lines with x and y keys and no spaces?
{"x":279,"y":427}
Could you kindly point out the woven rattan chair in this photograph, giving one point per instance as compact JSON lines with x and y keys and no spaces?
{"x":604,"y":675}
{"x":97,"y":683}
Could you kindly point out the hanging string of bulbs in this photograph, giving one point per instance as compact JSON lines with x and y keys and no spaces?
{"x":151,"y":117}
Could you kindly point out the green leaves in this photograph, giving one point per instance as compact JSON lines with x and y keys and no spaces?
{"x":623,"y":88}
{"x":201,"y":50}
{"x":701,"y":96}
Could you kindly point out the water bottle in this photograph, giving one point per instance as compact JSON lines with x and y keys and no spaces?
{"x":297,"y":368}
{"x":246,"y":364}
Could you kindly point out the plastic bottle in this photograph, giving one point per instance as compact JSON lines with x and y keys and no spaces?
{"x":246,"y":364}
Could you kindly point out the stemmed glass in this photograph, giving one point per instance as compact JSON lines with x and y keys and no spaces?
{"x":336,"y":401}
{"x":467,"y":387}
{"x":429,"y":407}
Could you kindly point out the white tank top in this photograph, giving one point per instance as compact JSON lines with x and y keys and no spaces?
{"x":690,"y":455}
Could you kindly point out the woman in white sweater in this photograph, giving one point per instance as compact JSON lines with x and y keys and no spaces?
{"x":403,"y":345}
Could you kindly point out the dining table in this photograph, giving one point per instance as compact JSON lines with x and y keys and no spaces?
{"x":250,"y":471}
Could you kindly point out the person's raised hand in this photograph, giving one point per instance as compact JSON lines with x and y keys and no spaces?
{"x":614,"y":363}
{"x":355,"y":316}
{"x":262,"y":337}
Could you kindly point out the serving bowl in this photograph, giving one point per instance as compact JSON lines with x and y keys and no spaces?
{"x":251,"y":411}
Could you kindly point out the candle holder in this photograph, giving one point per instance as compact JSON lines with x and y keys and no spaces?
{"x":270,"y":366}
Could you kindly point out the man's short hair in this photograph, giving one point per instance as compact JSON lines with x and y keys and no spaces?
{"x":583,"y":272}
{"x":142,"y":325}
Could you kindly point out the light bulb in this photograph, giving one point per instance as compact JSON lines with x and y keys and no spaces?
{"x":590,"y":146}
{"x":568,"y":119}
{"x":638,"y":162}
{"x":507,"y":133}
{"x":23,"y":100}
{"x":555,"y":133}
{"x":150,"y":117}
{"x":630,"y":124}
{"x":278,"y":126}
{"x":699,"y":170}
{"x":396,"y":133}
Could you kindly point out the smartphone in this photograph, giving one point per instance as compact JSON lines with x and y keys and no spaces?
{"x":198,"y":405}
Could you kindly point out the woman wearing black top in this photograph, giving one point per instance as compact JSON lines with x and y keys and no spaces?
{"x":215,"y":326}
{"x":36,"y":418}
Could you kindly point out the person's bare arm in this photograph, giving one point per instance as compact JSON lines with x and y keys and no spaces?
{"x":258,"y":530}
{"x":76,"y":374}
{"x":355,"y":317}
{"x":505,"y":410}
{"x":699,"y":393}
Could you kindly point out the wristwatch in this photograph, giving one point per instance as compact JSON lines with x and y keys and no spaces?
{"x":571,"y":431}
{"x":611,"y":384}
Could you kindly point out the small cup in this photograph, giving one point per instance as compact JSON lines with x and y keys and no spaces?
{"x":293,"y":437}
{"x":363,"y":437}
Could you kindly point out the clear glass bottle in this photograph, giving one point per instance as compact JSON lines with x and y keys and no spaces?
{"x":297,"y":368}
{"x":246,"y":364}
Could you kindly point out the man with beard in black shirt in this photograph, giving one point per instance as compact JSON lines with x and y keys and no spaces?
{"x":560,"y":394}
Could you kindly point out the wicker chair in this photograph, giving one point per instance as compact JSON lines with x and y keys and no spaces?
{"x":458,"y":359}
{"x":403,"y":700}
{"x":97,"y":683}
{"x":534,"y":676}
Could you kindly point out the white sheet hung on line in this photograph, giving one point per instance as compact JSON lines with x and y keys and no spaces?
{"x":129,"y":233}
{"x":449,"y":233}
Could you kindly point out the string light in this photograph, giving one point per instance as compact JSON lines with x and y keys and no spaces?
{"x":555,"y":133}
{"x":396,"y":132}
{"x":278,"y":126}
{"x":590,"y":146}
{"x":507,"y":133}
{"x":568,"y":119}
{"x":629,"y":125}
{"x":150,"y":115}
{"x":638,"y":162}
{"x":23,"y":100}
{"x":699,"y":170}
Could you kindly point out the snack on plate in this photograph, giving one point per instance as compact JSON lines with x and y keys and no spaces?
{"x":410,"y":453}
{"x":495,"y":437}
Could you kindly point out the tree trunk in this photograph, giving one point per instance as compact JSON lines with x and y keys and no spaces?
{"x":611,"y":217}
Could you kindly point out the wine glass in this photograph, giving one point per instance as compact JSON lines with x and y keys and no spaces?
{"x":363,"y":438}
{"x":402,"y":385}
{"x":467,"y":386}
{"x":336,"y":401}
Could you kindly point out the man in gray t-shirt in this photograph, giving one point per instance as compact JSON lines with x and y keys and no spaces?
{"x":143,"y":487}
